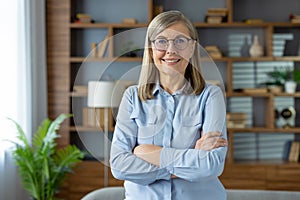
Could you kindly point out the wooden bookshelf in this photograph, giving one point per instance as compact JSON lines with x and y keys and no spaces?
{"x":63,"y":63}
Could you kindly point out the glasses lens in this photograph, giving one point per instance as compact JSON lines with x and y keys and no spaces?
{"x":181,"y":43}
{"x":161,"y":44}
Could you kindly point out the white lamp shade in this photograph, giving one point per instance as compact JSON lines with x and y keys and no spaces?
{"x":103,"y":94}
{"x":100,"y":94}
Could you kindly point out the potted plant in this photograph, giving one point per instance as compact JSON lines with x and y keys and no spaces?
{"x":278,"y":77}
{"x":42,"y":167}
{"x":286,"y":78}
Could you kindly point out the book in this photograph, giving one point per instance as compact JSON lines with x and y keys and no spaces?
{"x":236,"y":116}
{"x":283,"y":36}
{"x":236,"y":120}
{"x":287,"y":149}
{"x":102,"y":47}
{"x":213,"y":19}
{"x":83,"y":18}
{"x":295,"y":20}
{"x":94,"y":117}
{"x":294,"y":151}
{"x":216,"y":15}
{"x":231,"y":124}
{"x":217,"y":12}
{"x":253,"y":21}
{"x":93,"y":49}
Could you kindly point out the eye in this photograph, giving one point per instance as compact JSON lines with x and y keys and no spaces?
{"x":180,"y":40}
{"x":161,"y":41}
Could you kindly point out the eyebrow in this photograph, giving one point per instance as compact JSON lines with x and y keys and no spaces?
{"x":178,"y":36}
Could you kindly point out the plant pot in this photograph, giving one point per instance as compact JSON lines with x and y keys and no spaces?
{"x":290,"y":87}
{"x":275,"y":89}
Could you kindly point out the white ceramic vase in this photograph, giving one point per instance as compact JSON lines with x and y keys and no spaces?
{"x":256,"y":50}
{"x":290,"y":87}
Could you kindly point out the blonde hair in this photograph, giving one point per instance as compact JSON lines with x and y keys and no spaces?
{"x":149,"y":73}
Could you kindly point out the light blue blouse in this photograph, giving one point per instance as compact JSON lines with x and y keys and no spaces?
{"x":175,"y":123}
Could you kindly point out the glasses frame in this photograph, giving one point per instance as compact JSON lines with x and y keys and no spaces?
{"x":168,"y":43}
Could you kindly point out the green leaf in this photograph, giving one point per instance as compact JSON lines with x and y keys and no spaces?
{"x":38,"y":138}
{"x":41,"y":166}
{"x":22,"y":136}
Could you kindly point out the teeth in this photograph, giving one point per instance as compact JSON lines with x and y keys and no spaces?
{"x":171,"y":61}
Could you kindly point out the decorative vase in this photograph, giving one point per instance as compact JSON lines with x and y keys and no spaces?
{"x":256,"y":49}
{"x":245,"y":48}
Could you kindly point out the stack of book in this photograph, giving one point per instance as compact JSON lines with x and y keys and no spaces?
{"x":216,"y":15}
{"x":236,"y":120}
{"x":213,"y":51}
{"x":295,"y":19}
{"x":83,"y":18}
{"x":279,"y":42}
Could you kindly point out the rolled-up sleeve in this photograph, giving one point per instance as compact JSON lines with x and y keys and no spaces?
{"x":124,"y":164}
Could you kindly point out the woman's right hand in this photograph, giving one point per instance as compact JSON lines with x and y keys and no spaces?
{"x":211,"y":140}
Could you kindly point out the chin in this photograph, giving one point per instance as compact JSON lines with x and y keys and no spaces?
{"x":168,"y":70}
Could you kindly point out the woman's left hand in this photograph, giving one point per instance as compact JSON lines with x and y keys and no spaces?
{"x":210,"y":141}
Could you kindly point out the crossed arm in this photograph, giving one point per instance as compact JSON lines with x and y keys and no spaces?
{"x":207,"y":142}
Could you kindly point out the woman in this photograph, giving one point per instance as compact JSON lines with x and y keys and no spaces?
{"x":170,"y":136}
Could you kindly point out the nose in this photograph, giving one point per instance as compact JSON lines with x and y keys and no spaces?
{"x":171,"y":49}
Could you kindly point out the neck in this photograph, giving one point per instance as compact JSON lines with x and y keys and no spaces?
{"x":171,"y":84}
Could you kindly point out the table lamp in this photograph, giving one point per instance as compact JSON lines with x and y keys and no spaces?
{"x":105,"y":94}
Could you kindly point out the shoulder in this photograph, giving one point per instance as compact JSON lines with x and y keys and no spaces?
{"x":131,"y":93}
{"x":131,"y":90}
{"x":211,"y":90}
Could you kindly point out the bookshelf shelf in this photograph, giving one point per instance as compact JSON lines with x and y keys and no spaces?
{"x":269,"y":162}
{"x":245,"y":25}
{"x":118,"y":59}
{"x":106,"y":25}
{"x":260,"y":59}
{"x":265,"y":130}
{"x":267,"y":95}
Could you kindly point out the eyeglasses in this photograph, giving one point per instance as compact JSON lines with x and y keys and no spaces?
{"x":180,"y":43}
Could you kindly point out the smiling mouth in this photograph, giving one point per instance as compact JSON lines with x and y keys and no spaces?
{"x":171,"y":60}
